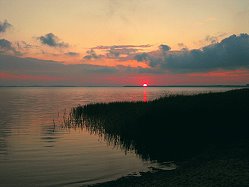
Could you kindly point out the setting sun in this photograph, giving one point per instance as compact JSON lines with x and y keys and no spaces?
{"x":145,"y":85}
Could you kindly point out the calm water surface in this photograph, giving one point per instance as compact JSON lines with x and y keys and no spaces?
{"x":35,"y":152}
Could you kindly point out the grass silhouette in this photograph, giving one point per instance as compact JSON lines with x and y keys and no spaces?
{"x":169,"y":128}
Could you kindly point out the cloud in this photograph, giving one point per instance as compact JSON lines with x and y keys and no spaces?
{"x":115,"y":52}
{"x":211,"y":39}
{"x":32,"y":66}
{"x":29,"y":71}
{"x":6,"y":47}
{"x":142,"y":57}
{"x":52,"y":40}
{"x":182,"y":46}
{"x":229,"y":54}
{"x":56,"y":73}
{"x":4,"y":26}
{"x":92,"y":55}
{"x":23,"y":45}
{"x":118,"y":52}
{"x":5,"y":44}
{"x":164,"y":48}
{"x":121,"y":46}
{"x":72,"y":54}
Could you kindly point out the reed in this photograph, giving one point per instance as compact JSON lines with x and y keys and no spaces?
{"x":168,"y":128}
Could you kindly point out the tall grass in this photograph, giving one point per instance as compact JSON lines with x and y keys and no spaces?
{"x":168,"y":128}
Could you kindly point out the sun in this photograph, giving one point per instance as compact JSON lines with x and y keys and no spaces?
{"x":145,"y":85}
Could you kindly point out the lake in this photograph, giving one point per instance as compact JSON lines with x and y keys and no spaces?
{"x":35,"y":151}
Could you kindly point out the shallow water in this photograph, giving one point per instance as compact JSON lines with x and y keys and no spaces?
{"x":33,"y":151}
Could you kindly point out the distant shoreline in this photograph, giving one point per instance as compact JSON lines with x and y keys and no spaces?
{"x":150,"y":86}
{"x":193,"y":86}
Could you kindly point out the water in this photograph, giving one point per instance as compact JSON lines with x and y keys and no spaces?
{"x":35,"y":152}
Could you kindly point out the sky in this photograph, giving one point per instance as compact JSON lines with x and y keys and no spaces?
{"x":116,"y":42}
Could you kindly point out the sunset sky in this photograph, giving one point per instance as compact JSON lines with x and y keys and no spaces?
{"x":117,"y":42}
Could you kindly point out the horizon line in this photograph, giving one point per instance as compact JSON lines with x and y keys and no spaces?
{"x":209,"y":85}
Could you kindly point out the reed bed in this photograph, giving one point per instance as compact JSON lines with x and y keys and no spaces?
{"x":168,"y":128}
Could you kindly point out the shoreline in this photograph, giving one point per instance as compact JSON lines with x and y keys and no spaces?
{"x":229,"y":167}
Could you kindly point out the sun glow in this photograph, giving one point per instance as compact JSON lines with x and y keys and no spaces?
{"x":145,"y":85}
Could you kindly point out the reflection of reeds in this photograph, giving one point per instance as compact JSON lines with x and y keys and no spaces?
{"x":167,"y":128}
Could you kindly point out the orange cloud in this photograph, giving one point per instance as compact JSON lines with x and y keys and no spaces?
{"x":114,"y":62}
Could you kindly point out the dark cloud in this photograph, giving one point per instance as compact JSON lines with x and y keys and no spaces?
{"x":164,"y":48}
{"x":92,"y":55}
{"x":5,"y":44}
{"x":153,"y":58}
{"x":52,"y":40}
{"x":72,"y":54}
{"x":231,"y":53}
{"x":4,"y":26}
{"x":142,"y":57}
{"x":6,"y":47}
